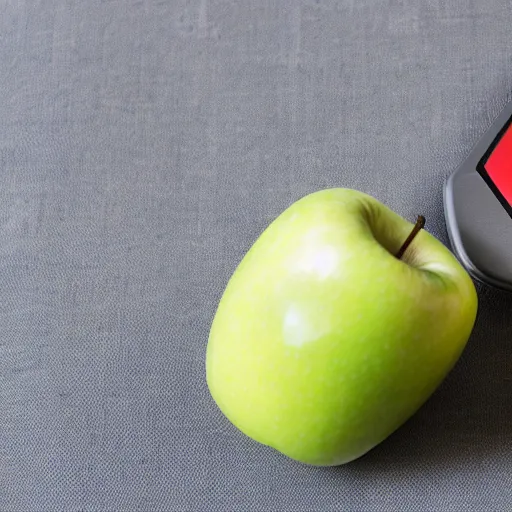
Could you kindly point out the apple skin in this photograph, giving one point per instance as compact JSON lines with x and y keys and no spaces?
{"x":324,"y":343}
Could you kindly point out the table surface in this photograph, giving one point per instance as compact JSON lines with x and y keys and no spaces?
{"x":144,"y":145}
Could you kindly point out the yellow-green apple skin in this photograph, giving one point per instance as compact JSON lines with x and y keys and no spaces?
{"x":323,"y":342}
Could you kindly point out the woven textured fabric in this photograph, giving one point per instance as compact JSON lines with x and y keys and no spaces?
{"x":144,"y":145}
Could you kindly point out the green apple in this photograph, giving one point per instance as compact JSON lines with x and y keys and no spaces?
{"x":324,"y":342}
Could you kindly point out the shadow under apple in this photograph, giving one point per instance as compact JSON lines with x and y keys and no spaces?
{"x":468,"y":420}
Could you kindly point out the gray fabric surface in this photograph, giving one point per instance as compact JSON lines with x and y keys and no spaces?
{"x":144,"y":145}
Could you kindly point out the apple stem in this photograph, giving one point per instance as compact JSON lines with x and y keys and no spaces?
{"x":420,"y":224}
